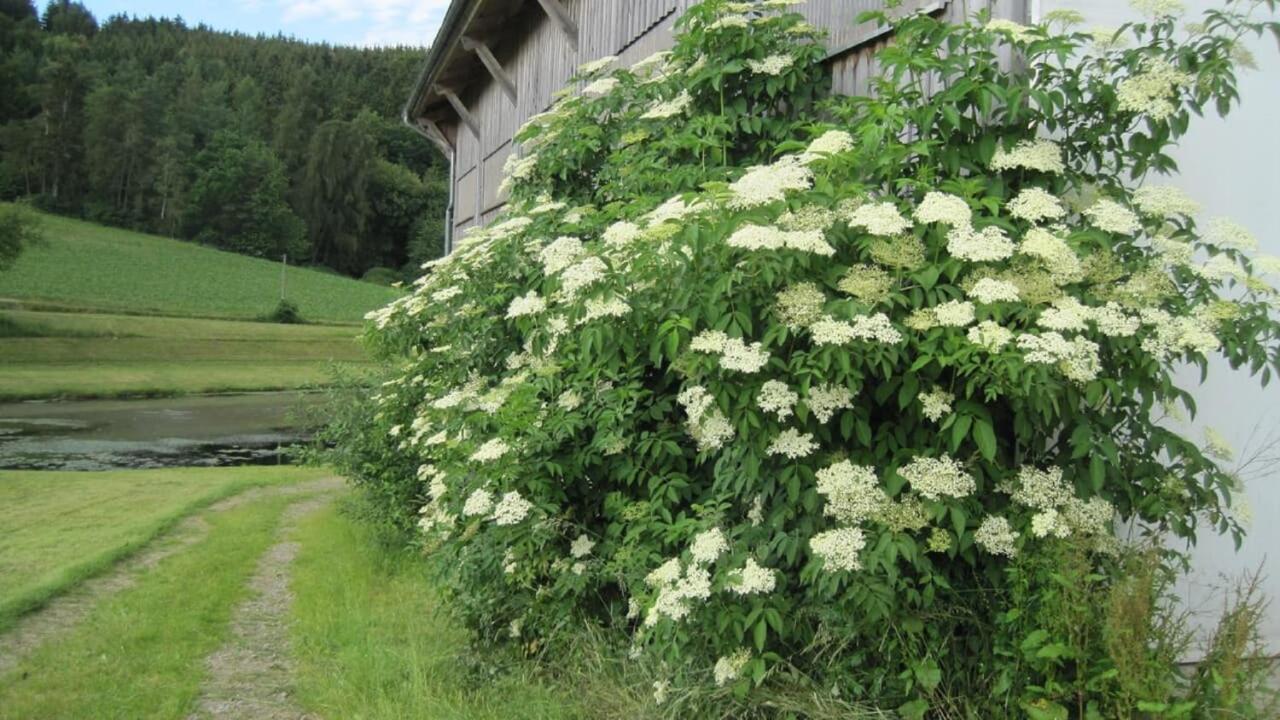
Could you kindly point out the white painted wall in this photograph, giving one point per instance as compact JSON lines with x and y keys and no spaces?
{"x":1232,"y":166}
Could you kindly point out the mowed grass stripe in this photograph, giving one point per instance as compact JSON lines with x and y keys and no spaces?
{"x":86,"y":265}
{"x":371,"y":641}
{"x":141,"y":653}
{"x":89,"y":355}
{"x":58,"y":528}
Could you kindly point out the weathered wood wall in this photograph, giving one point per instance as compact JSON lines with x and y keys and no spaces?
{"x":543,"y":61}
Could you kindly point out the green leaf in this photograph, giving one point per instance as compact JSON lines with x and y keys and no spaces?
{"x":985,"y":437}
{"x":1097,"y":472}
{"x":1044,"y":710}
{"x":929,"y":674}
{"x":914,"y":710}
{"x":960,"y":430}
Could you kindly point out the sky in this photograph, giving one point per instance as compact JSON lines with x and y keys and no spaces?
{"x":341,"y":22}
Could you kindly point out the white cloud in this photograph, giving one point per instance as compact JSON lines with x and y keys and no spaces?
{"x":383,"y":22}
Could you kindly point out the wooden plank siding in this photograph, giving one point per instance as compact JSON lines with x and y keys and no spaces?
{"x":541,"y":59}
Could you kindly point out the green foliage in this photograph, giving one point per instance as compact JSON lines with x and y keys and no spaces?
{"x":285,"y":313}
{"x":18,"y":230}
{"x":238,"y":200}
{"x":809,"y":395}
{"x":109,"y":124}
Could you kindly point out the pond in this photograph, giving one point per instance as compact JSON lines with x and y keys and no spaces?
{"x":241,"y":429}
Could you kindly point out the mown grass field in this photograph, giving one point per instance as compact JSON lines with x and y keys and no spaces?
{"x":47,"y":354}
{"x":57,"y":528}
{"x":140,"y":654}
{"x":364,"y":633}
{"x":83,"y":265}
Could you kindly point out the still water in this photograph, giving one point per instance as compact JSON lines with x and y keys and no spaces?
{"x":243,"y":429}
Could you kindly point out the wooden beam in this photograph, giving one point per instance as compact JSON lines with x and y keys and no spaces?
{"x":492,"y":65}
{"x":435,"y":135}
{"x":467,"y":118}
{"x":560,"y":16}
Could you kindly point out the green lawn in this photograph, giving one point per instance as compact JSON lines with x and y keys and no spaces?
{"x":372,"y":643}
{"x":57,"y":528}
{"x":141,"y":653}
{"x":84,"y":265}
{"x":46,"y":354}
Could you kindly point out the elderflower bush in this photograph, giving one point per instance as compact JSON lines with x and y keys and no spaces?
{"x":751,"y":387}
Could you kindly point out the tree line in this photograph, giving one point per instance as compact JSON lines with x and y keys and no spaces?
{"x":260,"y":145}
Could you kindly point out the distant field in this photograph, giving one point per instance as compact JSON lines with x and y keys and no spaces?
{"x":47,"y":354}
{"x":56,"y":528}
{"x":84,"y":265}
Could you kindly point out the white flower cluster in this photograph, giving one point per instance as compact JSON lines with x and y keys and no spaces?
{"x":601,"y":87}
{"x":675,"y":208}
{"x":940,"y":207}
{"x":752,"y":579}
{"x":511,"y":509}
{"x":620,"y":233}
{"x":528,"y":304}
{"x":479,"y":502}
{"x":996,"y":536}
{"x":1110,"y":216}
{"x":1226,"y":233}
{"x":1057,"y":257}
{"x":771,"y":65}
{"x":767,"y":237}
{"x":831,"y":142}
{"x":793,"y":444}
{"x":560,"y":254}
{"x":954,"y":313}
{"x":1172,"y":335}
{"x":990,"y":290}
{"x":1066,"y":313}
{"x":1076,"y":358}
{"x":762,"y":184}
{"x":1039,"y":154}
{"x":824,"y":400}
{"x":730,"y":667}
{"x":852,"y":492}
{"x":708,"y":545}
{"x":669,"y":108}
{"x":875,"y":328}
{"x":569,"y":400}
{"x":595,"y":66}
{"x":937,"y":477}
{"x":1164,"y":201}
{"x":936,"y":404}
{"x":800,"y":305}
{"x":1034,"y":204}
{"x":881,"y":219}
{"x":985,"y":245}
{"x":839,"y":548}
{"x":742,"y":357}
{"x":1152,"y":90}
{"x":597,"y":308}
{"x":582,"y":274}
{"x":708,"y":426}
{"x":581,"y":546}
{"x":490,"y":451}
{"x":1059,"y":513}
{"x":775,"y":397}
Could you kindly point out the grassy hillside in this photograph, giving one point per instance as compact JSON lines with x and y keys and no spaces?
{"x":83,"y":265}
{"x":46,"y":354}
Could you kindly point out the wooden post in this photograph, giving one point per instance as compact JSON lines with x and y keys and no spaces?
{"x":284,"y":265}
{"x":492,"y":65}
{"x":467,"y":118}
{"x":560,"y":16}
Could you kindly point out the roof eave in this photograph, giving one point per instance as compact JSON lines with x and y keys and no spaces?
{"x":451,"y":29}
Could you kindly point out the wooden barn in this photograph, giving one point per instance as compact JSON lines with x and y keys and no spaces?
{"x":496,"y":63}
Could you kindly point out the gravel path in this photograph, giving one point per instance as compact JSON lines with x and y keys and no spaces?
{"x":251,"y":676}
